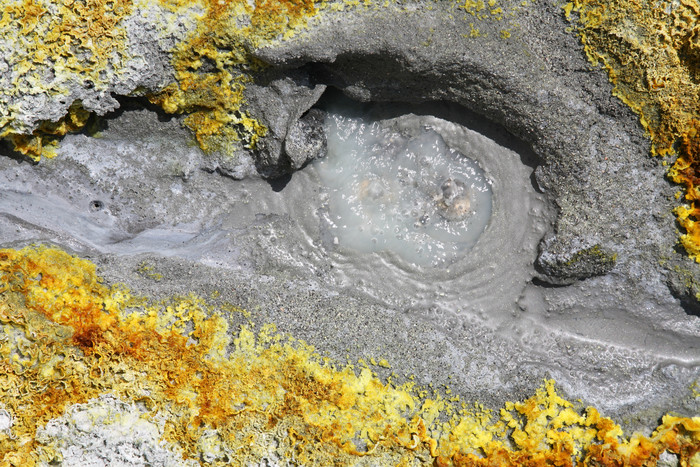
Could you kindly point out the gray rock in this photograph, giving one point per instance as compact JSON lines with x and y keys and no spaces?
{"x":138,"y":65}
{"x":620,"y":331}
{"x":536,"y":84}
{"x":567,"y":267}
{"x":279,"y":103}
{"x":306,"y":139}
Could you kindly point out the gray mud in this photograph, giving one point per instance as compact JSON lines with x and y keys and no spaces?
{"x":569,"y":279}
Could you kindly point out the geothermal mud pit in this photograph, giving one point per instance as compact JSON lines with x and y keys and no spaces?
{"x":408,"y":213}
{"x":482,"y":216}
{"x":472,"y":315}
{"x":407,"y":195}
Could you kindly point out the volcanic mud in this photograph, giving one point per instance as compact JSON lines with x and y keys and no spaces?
{"x":467,"y":202}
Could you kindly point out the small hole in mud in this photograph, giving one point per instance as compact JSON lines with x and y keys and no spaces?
{"x":96,"y":205}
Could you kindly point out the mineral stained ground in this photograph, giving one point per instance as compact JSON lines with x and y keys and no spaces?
{"x":163,"y":153}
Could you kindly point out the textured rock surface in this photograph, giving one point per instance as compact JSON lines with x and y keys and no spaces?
{"x":280,"y":103}
{"x":537,"y":94}
{"x":606,"y":305}
{"x":107,"y":431}
{"x":60,"y":57}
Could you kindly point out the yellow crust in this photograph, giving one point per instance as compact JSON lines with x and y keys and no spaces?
{"x":65,"y":338}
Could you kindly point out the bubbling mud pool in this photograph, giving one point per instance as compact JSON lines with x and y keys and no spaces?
{"x":421,"y":214}
{"x":408,"y":194}
{"x":418,"y":213}
{"x":279,"y":246}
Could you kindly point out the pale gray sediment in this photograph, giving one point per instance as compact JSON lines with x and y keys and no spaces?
{"x":569,"y":279}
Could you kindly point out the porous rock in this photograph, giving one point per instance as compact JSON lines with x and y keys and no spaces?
{"x":306,"y":139}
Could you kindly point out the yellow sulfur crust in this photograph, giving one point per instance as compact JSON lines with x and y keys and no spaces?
{"x":651,"y":51}
{"x":69,"y":42}
{"x":66,"y":338}
{"x":213,"y":97}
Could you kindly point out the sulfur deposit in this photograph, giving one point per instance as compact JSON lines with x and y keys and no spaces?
{"x":73,"y":344}
{"x":351,"y":232}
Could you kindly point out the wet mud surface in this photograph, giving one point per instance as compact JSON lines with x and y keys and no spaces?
{"x":481,"y":324}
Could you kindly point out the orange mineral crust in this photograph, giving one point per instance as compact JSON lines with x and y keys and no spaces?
{"x":651,"y":52}
{"x":67,"y":338}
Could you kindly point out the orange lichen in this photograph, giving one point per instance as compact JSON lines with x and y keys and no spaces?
{"x":651,"y":51}
{"x":66,"y":338}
